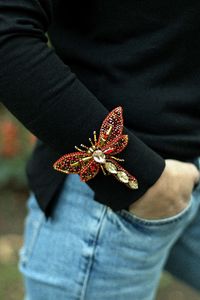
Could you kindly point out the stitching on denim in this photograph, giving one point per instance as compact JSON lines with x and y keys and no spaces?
{"x":91,"y":259}
{"x":37,"y":226}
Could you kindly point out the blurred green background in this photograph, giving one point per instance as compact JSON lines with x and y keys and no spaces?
{"x":15,"y":147}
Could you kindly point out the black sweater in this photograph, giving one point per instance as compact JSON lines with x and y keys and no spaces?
{"x":141,"y":55}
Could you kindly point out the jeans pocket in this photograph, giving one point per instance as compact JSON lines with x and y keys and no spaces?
{"x":33,"y":223}
{"x":157,"y":222}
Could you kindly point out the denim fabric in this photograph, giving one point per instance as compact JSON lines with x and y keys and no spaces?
{"x":86,"y":251}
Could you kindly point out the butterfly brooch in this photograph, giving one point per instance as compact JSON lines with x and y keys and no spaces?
{"x":87,"y":161}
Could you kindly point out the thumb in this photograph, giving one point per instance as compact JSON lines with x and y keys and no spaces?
{"x":196,"y":176}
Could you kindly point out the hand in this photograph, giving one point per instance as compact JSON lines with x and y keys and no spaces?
{"x":171,"y":192}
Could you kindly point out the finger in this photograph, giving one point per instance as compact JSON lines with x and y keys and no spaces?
{"x":196,"y":176}
{"x":196,"y":173}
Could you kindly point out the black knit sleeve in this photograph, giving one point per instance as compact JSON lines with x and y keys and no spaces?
{"x":48,"y":99}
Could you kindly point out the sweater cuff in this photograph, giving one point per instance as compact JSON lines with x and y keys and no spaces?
{"x":140,"y":160}
{"x":142,"y":165}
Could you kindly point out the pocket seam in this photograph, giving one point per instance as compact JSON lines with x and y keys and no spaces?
{"x":27,"y":250}
{"x":158,"y":222}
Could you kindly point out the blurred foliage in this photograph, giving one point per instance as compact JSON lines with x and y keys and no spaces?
{"x":15,"y":146}
{"x":11,"y":287}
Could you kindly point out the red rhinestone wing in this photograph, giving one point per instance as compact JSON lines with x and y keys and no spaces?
{"x":121,"y":169}
{"x":114,"y":119}
{"x":89,"y":171}
{"x":72,"y":162}
{"x":116,"y":146}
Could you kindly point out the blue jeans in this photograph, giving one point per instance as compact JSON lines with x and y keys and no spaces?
{"x":86,"y":251}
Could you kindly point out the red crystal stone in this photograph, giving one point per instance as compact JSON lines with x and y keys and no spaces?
{"x":108,"y":151}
